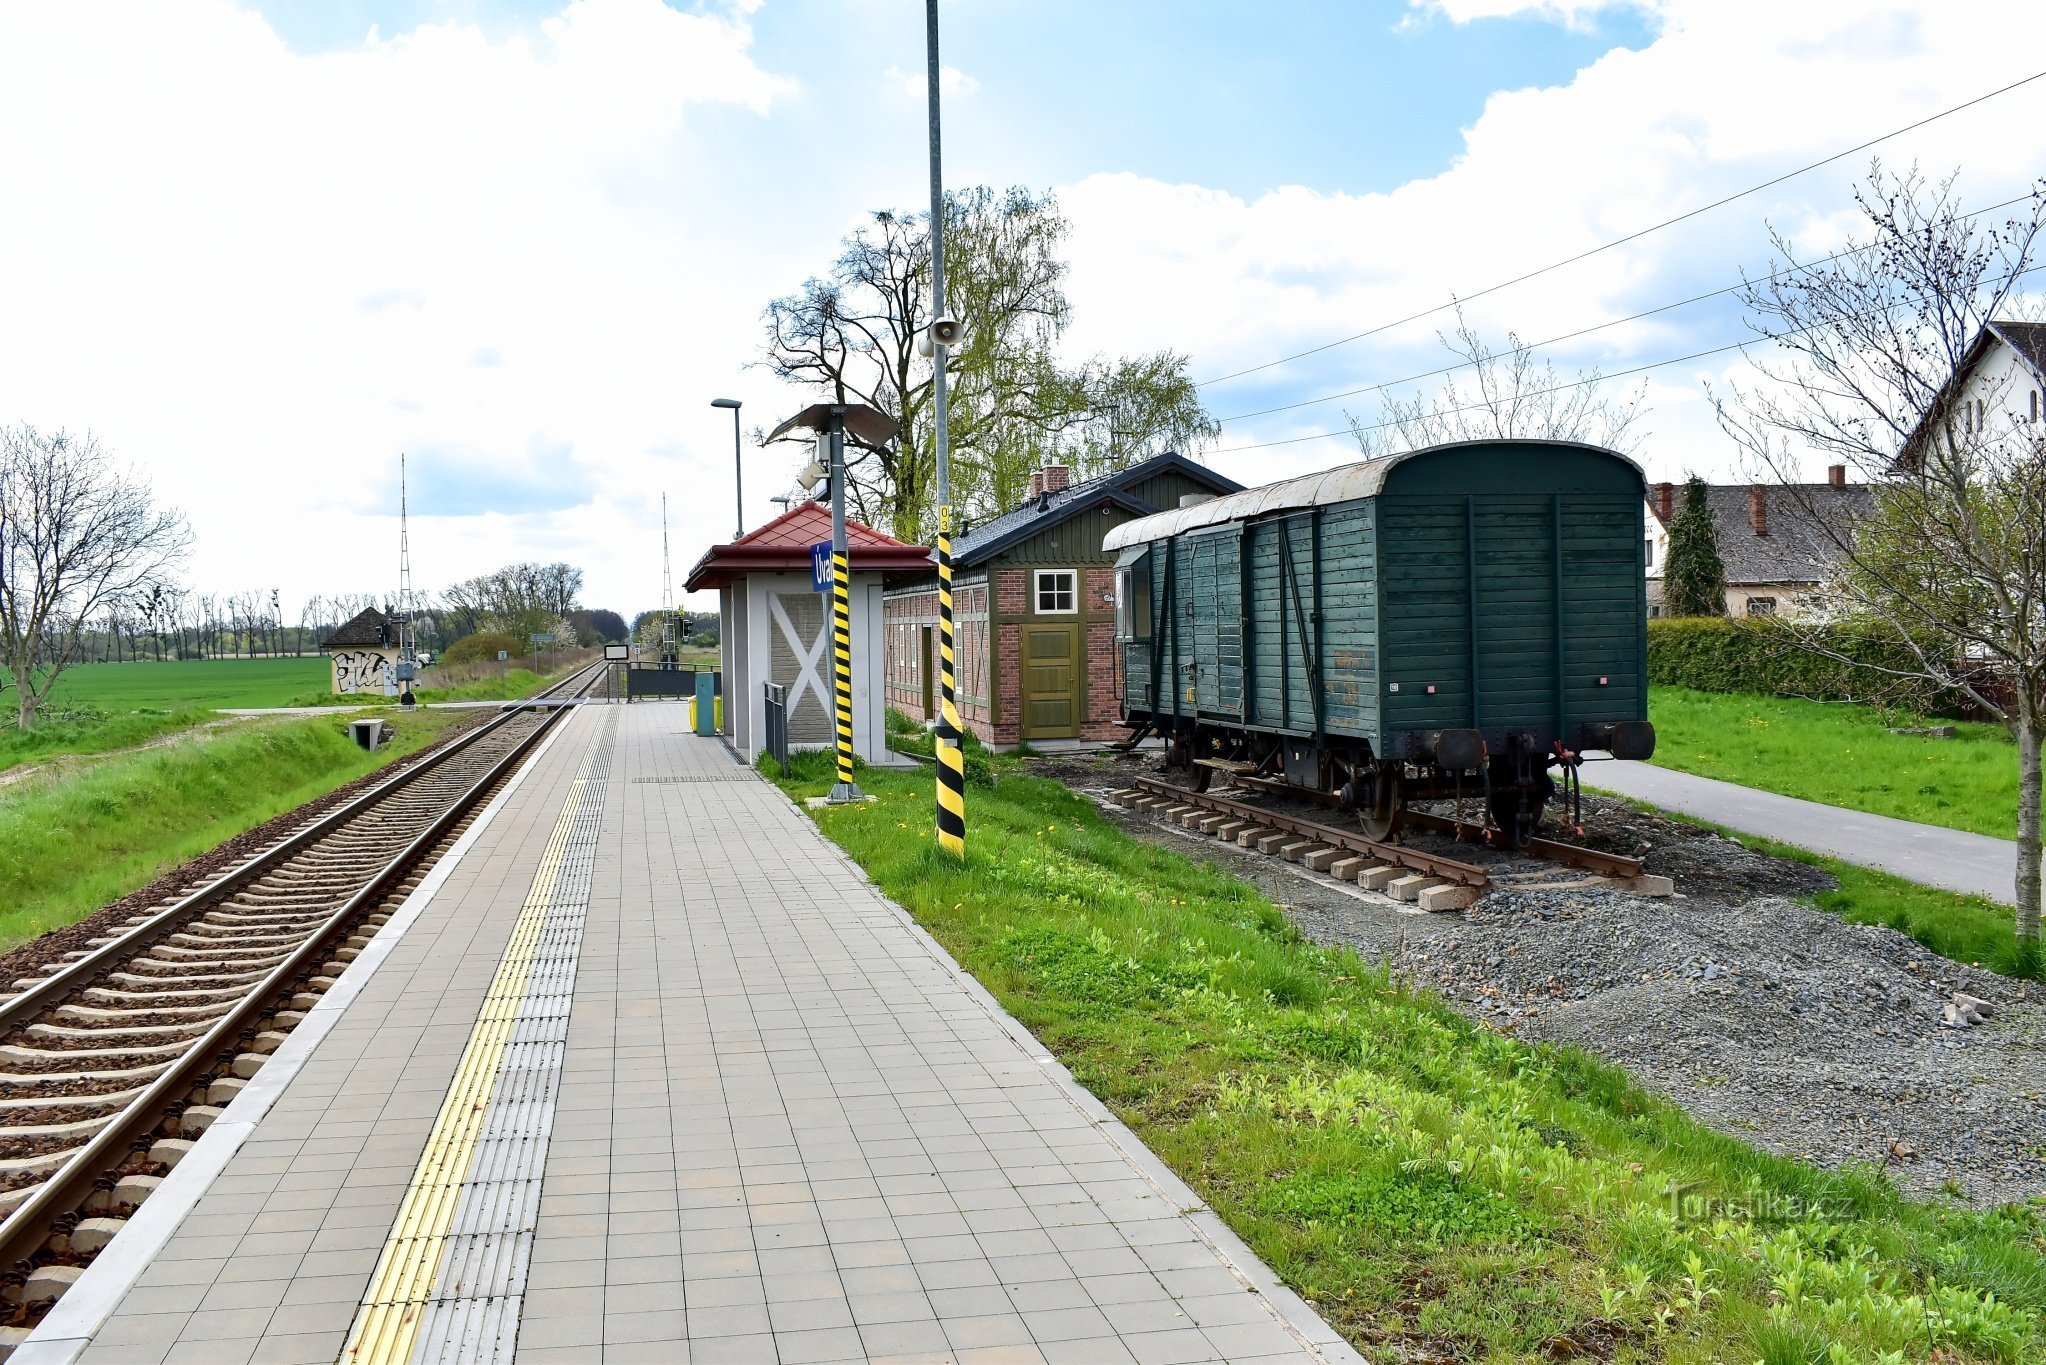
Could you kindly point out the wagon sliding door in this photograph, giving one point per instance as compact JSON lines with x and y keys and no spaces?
{"x":1215,"y":612}
{"x":1515,"y":583}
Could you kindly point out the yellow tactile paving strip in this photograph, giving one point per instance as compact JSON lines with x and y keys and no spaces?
{"x":387,"y":1324}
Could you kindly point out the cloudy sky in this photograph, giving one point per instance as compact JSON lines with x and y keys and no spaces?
{"x":260,"y":248}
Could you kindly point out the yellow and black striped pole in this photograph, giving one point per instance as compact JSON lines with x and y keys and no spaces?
{"x":841,"y":648}
{"x":951,"y":761}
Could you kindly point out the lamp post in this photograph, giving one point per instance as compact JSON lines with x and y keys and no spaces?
{"x":951,"y":764}
{"x":738,"y":493}
{"x":833,"y":420}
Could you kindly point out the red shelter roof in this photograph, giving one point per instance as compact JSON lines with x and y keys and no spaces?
{"x":783,"y":546}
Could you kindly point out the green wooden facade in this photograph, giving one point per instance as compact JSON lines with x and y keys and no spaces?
{"x":1493,"y":586}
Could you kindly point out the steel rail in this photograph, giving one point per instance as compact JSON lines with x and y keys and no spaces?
{"x":1467,"y":873}
{"x":81,"y":972}
{"x":1555,"y":851}
{"x":32,"y":1222}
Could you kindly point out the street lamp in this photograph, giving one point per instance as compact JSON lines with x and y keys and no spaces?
{"x":833,"y":421}
{"x":738,"y":495}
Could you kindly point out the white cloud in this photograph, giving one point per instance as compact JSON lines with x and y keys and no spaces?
{"x":951,"y":81}
{"x":1730,"y":95}
{"x":1575,"y":14}
{"x":260,"y":274}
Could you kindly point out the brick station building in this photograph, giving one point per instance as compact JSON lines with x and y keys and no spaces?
{"x":1033,"y":605}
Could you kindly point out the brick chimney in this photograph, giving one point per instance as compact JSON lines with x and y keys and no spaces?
{"x":1758,"y":509}
{"x":1057,"y":477}
{"x":1836,"y":474}
{"x":1666,"y":501}
{"x":1036,"y":483}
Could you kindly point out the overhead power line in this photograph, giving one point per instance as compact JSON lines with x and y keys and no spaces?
{"x":1582,"y":331}
{"x":1553,"y":388}
{"x":1630,"y":237}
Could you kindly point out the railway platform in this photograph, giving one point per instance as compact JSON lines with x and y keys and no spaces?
{"x":645,"y":1070}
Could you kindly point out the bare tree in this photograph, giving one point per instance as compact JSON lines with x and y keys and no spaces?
{"x":1506,"y":394}
{"x":1949,"y":561}
{"x":77,"y":537}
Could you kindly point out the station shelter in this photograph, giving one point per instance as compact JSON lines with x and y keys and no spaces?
{"x":775,"y":627}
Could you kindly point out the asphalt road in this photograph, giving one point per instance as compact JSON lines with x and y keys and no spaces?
{"x":1948,"y":858}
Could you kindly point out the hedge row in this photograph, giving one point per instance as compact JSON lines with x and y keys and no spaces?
{"x":1715,"y":654}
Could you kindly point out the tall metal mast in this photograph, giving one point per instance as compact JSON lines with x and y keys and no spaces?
{"x":951,"y":764}
{"x":668,"y":640}
{"x":408,"y":634}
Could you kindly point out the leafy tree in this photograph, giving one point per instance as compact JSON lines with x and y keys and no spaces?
{"x":518,"y":599}
{"x":482,"y":647}
{"x":851,"y":335}
{"x":1945,"y":560}
{"x":1693,"y":576}
{"x":78,"y":538}
{"x":597,"y":626}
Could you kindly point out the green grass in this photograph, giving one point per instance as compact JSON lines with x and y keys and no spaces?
{"x":1437,"y":1189}
{"x":66,"y":848}
{"x":189,"y":684}
{"x":1841,"y":755}
{"x":509,"y":686}
{"x":96,"y":708}
{"x":85,"y":730}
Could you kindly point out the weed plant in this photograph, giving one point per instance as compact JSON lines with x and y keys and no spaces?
{"x":1438,"y":1190}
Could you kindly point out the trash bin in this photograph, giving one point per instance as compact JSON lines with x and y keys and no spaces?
{"x":367,"y":733}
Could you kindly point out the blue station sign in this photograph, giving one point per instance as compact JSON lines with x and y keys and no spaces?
{"x":820,"y":567}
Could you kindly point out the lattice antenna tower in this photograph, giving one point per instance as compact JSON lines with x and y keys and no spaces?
{"x":667,"y":590}
{"x":408,"y":640}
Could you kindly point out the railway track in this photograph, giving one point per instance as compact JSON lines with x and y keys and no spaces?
{"x":1433,"y":880}
{"x":113,"y":1062}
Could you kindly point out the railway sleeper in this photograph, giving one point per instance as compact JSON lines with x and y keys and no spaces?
{"x":89,"y":1013}
{"x":75,"y":1128}
{"x":113,"y":1099}
{"x":179,"y":976}
{"x":216,"y":994}
{"x":40,"y":1030}
{"x":35,"y":1079}
{"x":17,"y":1053}
{"x":176,"y":956}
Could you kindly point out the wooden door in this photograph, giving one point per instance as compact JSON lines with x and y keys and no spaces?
{"x":1051,"y":680}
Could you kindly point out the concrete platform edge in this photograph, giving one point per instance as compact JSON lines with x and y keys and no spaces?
{"x":1293,"y":1311}
{"x":70,"y":1326}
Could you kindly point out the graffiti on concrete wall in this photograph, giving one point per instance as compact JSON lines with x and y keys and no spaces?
{"x":361,"y":670}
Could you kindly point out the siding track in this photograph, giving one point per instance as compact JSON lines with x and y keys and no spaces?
{"x":113,"y":1062}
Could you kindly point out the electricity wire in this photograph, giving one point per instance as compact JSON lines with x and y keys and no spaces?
{"x":1630,"y":237}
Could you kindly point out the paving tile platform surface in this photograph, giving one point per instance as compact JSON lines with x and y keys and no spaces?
{"x":788,"y":1128}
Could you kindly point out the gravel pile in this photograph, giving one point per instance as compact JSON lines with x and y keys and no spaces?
{"x":1796,"y":1030}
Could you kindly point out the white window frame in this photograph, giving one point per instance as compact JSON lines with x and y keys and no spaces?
{"x":1072,"y":587}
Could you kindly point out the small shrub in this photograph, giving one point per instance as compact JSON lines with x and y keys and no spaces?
{"x":1711,"y":654}
{"x":480,"y":647}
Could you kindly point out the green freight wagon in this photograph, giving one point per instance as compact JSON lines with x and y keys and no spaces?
{"x":1456,"y":621}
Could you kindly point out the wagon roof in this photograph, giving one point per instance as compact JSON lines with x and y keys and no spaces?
{"x":1323,"y":488}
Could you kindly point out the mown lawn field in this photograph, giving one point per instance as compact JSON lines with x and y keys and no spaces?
{"x":68,"y":847}
{"x":1437,"y":1189}
{"x":1841,"y":755}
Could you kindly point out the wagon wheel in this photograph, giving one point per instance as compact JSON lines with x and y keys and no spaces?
{"x":1383,"y":805}
{"x":1180,"y":769}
